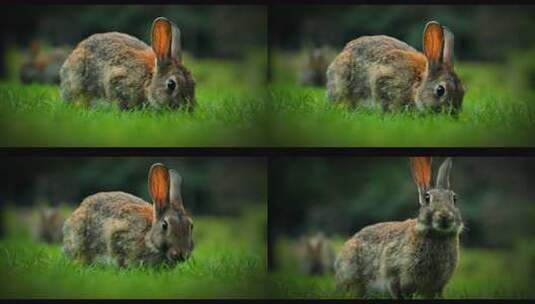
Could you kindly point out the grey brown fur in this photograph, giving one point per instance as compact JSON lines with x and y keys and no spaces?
{"x":123,"y":229}
{"x":385,"y":71}
{"x":118,"y":67}
{"x":416,"y":256}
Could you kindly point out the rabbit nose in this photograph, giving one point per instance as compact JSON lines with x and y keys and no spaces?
{"x":445,"y":219}
{"x":174,"y":254}
{"x":178,"y":255}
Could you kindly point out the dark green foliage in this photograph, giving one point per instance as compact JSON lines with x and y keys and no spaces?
{"x":210,"y":185}
{"x":343,"y":195}
{"x":481,"y":32}
{"x":201,"y":28}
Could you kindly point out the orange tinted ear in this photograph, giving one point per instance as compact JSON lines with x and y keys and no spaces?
{"x":162,"y":34}
{"x":433,"y":42}
{"x":159,"y":185}
{"x":421,"y":171}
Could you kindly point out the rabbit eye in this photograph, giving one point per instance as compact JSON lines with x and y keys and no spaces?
{"x":171,"y":84}
{"x":164,"y":225}
{"x":427,"y":198}
{"x":440,"y":90}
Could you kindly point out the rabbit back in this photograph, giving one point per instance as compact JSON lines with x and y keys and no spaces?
{"x":107,"y":224}
{"x":378,"y":68}
{"x":114,"y":66}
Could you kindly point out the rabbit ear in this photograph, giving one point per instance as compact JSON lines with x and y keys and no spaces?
{"x":448,"y":47}
{"x":159,"y":186}
{"x":176,"y":45}
{"x":421,"y":173}
{"x":433,"y":43}
{"x":162,"y":39}
{"x":443,"y":175}
{"x":175,"y":193}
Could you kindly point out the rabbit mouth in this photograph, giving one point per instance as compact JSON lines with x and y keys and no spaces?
{"x":177,"y":258}
{"x":153,"y":103}
{"x":444,"y":227}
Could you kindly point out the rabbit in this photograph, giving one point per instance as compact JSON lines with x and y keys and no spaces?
{"x":43,"y":66}
{"x":388,"y":72}
{"x":416,"y":256}
{"x":122,"y":229}
{"x":314,"y":66}
{"x":118,"y":67}
{"x":316,"y":254}
{"x":49,"y":228}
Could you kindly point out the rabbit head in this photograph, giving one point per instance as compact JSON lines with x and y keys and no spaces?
{"x":438,"y":213}
{"x":172,"y":84}
{"x":172,"y":227}
{"x":316,"y":58}
{"x":314,"y":247}
{"x":441,"y":88}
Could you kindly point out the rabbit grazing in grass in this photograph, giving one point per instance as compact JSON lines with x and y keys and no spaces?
{"x":392,"y":73}
{"x":120,"y":227}
{"x":316,"y":254}
{"x":119,"y":67}
{"x":414,"y":256}
{"x":49,"y":228}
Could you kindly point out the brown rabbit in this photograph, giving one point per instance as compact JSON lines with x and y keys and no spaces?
{"x":314,"y":66}
{"x":49,"y":228}
{"x":415,"y":256}
{"x":120,"y":227}
{"x":316,"y":254}
{"x":119,"y":67}
{"x":43,"y":66}
{"x":389,"y":72}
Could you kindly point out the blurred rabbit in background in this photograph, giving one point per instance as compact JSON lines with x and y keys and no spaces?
{"x":316,"y":254}
{"x":50,"y":225}
{"x":42,"y":65}
{"x":314,"y":66}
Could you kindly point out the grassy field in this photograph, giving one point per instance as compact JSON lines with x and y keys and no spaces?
{"x":228,"y":262}
{"x":230,"y":99}
{"x":494,"y":114}
{"x":481,"y":273}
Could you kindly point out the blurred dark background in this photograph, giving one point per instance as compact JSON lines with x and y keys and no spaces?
{"x":341,"y":195}
{"x":483,"y":33}
{"x":216,"y":186}
{"x":207,"y":30}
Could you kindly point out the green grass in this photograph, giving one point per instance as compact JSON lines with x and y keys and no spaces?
{"x":228,"y":262}
{"x":229,"y":94}
{"x":481,"y":273}
{"x":494,"y":114}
